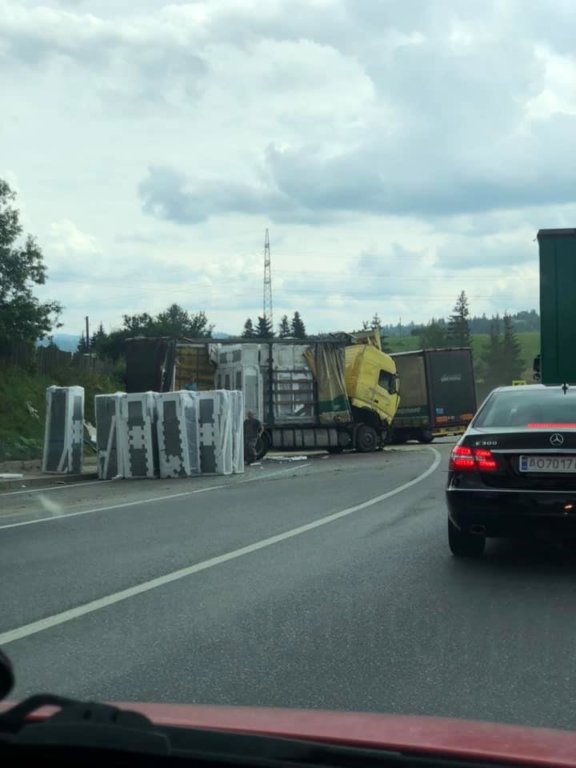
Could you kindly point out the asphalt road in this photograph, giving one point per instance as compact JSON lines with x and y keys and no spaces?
{"x":326,"y":584}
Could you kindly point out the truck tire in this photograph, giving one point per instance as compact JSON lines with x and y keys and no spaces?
{"x":425,"y":436}
{"x":465,"y":544}
{"x":366,"y":439}
{"x":263,"y":445}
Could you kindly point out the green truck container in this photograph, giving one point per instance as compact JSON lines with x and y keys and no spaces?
{"x":557,"y":305}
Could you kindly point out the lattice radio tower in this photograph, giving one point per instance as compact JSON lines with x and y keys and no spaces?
{"x":268,"y":281}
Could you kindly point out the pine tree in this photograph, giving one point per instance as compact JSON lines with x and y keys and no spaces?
{"x":264,"y":328}
{"x":284,"y":330}
{"x":83,"y":347}
{"x":298,"y":327}
{"x":248,"y":332}
{"x":98,"y":340}
{"x":513,"y":363}
{"x":371,"y":325}
{"x":458,"y":325}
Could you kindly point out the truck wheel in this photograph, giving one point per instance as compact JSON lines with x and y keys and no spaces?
{"x":465,"y":544}
{"x":263,"y":445}
{"x":366,"y":439}
{"x":425,"y":436}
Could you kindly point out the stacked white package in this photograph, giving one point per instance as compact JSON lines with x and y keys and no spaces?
{"x":110,"y":435}
{"x":215,"y":422}
{"x":139,"y":441}
{"x":64,"y":431}
{"x":237,"y":399}
{"x":178,"y":434}
{"x":240,"y":368}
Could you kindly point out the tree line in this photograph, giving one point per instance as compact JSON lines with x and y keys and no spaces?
{"x":525,"y":320}
{"x":173,"y":322}
{"x":287,"y":329}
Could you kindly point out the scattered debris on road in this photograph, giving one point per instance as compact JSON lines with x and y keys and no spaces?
{"x":286,"y":458}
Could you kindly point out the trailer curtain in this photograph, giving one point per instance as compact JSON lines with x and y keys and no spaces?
{"x":327,"y":364}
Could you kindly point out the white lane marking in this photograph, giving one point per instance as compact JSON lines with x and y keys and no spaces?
{"x":64,"y":486}
{"x":96,"y":605}
{"x":65,"y":516}
{"x":273,"y":474}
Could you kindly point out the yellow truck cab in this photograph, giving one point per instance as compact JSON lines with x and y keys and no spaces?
{"x":371,"y":382}
{"x":372,"y":390}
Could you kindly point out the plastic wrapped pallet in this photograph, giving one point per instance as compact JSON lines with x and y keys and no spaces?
{"x":110,"y":434}
{"x":178,"y":434}
{"x":239,"y":368}
{"x":139,"y":442}
{"x":237,"y":431}
{"x":215,"y":423}
{"x":63,"y":435}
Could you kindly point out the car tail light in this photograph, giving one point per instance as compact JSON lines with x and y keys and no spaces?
{"x":465,"y":459}
{"x":462,"y":458}
{"x":485,"y":461}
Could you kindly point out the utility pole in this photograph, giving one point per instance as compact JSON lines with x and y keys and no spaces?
{"x":267,"y":304}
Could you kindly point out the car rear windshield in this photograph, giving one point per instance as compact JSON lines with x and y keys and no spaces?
{"x":532,"y":409}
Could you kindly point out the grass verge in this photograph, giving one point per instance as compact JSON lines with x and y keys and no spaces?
{"x":23,"y":406}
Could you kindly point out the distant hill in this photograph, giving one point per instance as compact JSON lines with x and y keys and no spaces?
{"x":67,"y":342}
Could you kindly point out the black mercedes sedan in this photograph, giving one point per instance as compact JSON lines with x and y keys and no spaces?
{"x":513,"y":473}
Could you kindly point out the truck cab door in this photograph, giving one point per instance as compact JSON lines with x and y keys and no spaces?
{"x":386,"y":394}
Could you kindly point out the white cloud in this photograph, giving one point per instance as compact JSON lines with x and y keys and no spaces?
{"x":67,"y":240}
{"x":399,"y":151}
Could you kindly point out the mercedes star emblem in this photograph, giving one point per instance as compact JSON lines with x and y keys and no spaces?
{"x":556,"y":439}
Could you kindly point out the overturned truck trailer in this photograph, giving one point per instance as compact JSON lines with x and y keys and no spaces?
{"x":328,"y":394}
{"x":297,"y":390}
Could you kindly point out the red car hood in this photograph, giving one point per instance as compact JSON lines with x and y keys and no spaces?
{"x":426,"y":735}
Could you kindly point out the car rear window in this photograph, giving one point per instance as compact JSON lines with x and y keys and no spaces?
{"x":533,"y":409}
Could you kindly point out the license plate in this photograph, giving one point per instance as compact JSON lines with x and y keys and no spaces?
{"x":553,"y":464}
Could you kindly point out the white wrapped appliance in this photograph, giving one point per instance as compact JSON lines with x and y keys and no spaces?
{"x":110,"y":435}
{"x":240,"y":368}
{"x":64,"y":430}
{"x":237,"y":399}
{"x":178,"y":434}
{"x":139,"y":441}
{"x":215,"y":423}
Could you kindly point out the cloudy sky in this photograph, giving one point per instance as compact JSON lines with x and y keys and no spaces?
{"x":399,"y":151}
